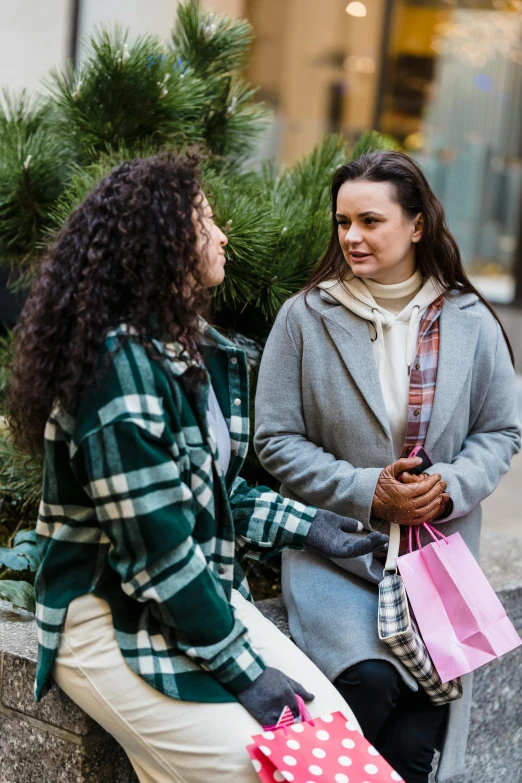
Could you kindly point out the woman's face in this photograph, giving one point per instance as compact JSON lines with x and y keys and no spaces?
{"x":211,"y":242}
{"x":377,"y":238}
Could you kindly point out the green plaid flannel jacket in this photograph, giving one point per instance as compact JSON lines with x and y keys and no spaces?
{"x":135,"y":508}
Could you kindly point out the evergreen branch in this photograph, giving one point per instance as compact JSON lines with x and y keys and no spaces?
{"x":373,"y":141}
{"x":211,"y":45}
{"x":21,"y":111}
{"x":6,"y":342}
{"x":252,"y":235}
{"x":34,"y":168}
{"x":128,"y":94}
{"x":301,"y":200}
{"x":234,"y":121}
{"x":20,"y":477}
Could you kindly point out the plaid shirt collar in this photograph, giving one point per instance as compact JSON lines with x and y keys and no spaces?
{"x":423,"y":377}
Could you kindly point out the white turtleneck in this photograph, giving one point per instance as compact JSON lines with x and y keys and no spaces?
{"x":394,"y":313}
{"x":394,"y":298}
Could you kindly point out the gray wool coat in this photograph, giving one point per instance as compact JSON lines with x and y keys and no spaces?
{"x":322,"y":431}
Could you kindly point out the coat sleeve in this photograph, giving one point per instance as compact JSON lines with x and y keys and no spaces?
{"x":307,"y":470}
{"x":493,"y":439}
{"x":267,"y":522}
{"x":147,"y":514}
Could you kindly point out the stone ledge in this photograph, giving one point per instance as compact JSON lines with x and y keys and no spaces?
{"x":55,"y":742}
{"x":29,"y":754}
{"x":55,"y":710}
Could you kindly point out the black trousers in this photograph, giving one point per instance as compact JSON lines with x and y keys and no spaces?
{"x":402,"y":724}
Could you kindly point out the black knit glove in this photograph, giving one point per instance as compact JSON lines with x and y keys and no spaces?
{"x":331,"y":535}
{"x":266,"y":698}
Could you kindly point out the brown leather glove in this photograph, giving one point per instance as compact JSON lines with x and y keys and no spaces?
{"x":411,"y":503}
{"x":446,"y":503}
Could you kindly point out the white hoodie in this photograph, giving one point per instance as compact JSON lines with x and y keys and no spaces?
{"x":394,"y":341}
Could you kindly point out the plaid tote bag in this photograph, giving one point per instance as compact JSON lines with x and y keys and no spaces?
{"x":399,"y":632}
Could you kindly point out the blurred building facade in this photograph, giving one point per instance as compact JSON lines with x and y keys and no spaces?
{"x":443,"y":77}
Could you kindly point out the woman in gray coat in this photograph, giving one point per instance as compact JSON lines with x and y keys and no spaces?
{"x":390,"y":346}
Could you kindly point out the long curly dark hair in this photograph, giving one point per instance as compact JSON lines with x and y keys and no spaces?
{"x":125,"y":255}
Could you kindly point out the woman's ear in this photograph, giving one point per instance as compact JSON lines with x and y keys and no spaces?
{"x":418,"y":228}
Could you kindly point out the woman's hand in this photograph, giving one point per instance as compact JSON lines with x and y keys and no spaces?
{"x":266,"y":698}
{"x":446,"y":503}
{"x":411,"y":502}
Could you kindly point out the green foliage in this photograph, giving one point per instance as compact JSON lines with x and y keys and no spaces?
{"x":128,"y":98}
{"x":34,"y":167}
{"x":233,"y":122}
{"x":21,"y":113}
{"x":372,"y":141}
{"x":302,"y":203}
{"x":247,"y":217}
{"x":217,"y":48}
{"x":22,"y":556}
{"x":20,"y":594}
{"x":127,"y":94}
{"x":20,"y":488}
{"x":212,"y":45}
{"x":278,"y":224}
{"x":5,"y":359}
{"x":20,"y":482}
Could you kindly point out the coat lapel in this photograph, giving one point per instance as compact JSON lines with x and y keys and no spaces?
{"x":352,"y":339}
{"x":459,"y":330}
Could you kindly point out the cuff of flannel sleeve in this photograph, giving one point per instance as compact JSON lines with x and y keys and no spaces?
{"x":294,"y":533}
{"x":289,"y":539}
{"x":233,"y":661}
{"x":248,"y":667}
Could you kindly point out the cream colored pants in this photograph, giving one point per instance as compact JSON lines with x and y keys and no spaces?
{"x":168,"y":740}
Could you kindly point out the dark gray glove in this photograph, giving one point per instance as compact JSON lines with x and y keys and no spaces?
{"x":330,"y":535}
{"x":266,"y":698}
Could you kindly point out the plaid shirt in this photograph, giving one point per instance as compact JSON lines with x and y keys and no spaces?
{"x":423,"y":378}
{"x":135,"y":508}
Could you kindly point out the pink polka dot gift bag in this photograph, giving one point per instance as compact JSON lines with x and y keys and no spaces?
{"x":329,"y":749}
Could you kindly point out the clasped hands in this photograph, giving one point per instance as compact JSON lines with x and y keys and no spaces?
{"x":410,"y":499}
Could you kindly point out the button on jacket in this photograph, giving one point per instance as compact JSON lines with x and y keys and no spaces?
{"x":135,"y":508}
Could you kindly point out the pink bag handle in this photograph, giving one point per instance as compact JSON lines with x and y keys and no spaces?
{"x":304,"y":712}
{"x":431,"y":530}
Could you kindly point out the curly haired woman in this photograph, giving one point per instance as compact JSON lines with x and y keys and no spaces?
{"x":142,"y":412}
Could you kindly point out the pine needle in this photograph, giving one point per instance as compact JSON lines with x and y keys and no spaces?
{"x":127,"y":93}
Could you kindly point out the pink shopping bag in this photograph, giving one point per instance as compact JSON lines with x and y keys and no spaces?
{"x":319,"y":750}
{"x":460,"y":618}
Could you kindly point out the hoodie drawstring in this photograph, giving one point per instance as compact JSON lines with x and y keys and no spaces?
{"x":379,"y":321}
